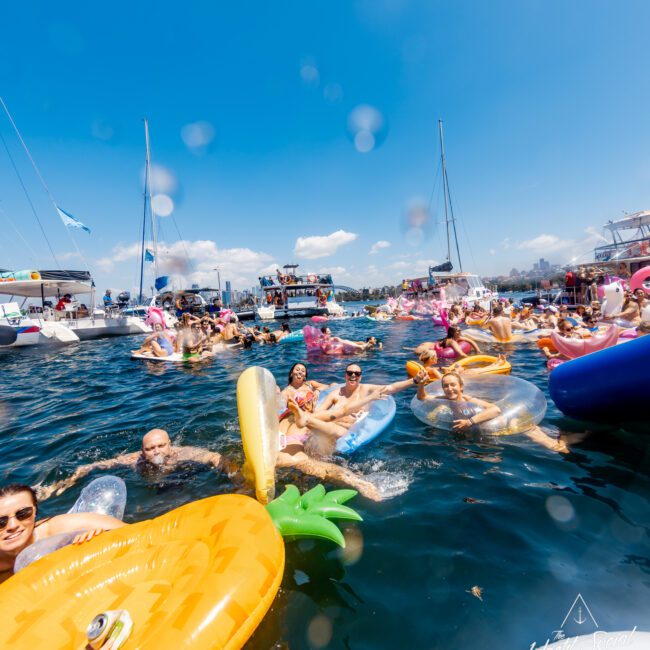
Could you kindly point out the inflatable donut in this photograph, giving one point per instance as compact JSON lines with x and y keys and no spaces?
{"x":641,"y":280}
{"x":546,"y":342}
{"x":450,"y":353}
{"x":522,"y":405}
{"x":484,"y":364}
{"x":413,"y":368}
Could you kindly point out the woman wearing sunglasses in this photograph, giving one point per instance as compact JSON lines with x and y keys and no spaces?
{"x":19,"y":529}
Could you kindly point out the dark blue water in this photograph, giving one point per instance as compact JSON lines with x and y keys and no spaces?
{"x":532,"y":528}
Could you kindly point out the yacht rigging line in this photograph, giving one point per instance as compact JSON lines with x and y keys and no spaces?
{"x":45,"y":187}
{"x":32,"y":254}
{"x":29,"y":200}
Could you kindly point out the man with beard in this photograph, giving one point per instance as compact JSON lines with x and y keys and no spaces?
{"x":157,"y":454}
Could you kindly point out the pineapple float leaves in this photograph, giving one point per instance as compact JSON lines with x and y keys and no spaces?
{"x":309,"y":515}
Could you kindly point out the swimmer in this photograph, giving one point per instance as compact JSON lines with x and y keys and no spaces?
{"x":294,"y":434}
{"x":500,"y":325}
{"x":352,"y":397}
{"x":19,"y":528}
{"x":454,"y":339}
{"x":299,"y":385}
{"x":158,"y":344}
{"x":452,"y":386}
{"x":157,"y":454}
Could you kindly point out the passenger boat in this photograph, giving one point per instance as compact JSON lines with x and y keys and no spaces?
{"x":289,"y":295}
{"x":628,"y":251}
{"x":73,"y":321}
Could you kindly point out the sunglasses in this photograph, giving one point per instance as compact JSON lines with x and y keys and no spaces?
{"x":21,"y":515}
{"x":353,"y":373}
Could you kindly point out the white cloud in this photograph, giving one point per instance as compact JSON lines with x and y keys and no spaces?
{"x":399,"y":265}
{"x":336,"y":271}
{"x":311,"y":248}
{"x":546,"y":243}
{"x":189,"y":262}
{"x":377,"y":246}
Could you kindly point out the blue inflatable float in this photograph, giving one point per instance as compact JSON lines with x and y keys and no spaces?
{"x":606,"y":386}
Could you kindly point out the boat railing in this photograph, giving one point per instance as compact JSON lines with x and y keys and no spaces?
{"x":276,"y":282}
{"x":622,"y":250}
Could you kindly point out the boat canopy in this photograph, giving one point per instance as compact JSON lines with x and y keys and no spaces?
{"x":50,"y":283}
{"x":636,"y":220}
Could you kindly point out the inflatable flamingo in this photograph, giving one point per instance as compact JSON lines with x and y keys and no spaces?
{"x":155,"y":316}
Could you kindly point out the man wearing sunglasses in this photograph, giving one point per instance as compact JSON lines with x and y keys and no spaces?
{"x":18,"y":527}
{"x":321,"y":420}
{"x":156,"y":455}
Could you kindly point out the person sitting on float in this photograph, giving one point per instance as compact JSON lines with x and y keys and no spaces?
{"x":630,"y":310}
{"x":19,"y":528}
{"x":452,"y":387}
{"x":566,"y":330}
{"x":454,"y":339}
{"x":158,"y":344}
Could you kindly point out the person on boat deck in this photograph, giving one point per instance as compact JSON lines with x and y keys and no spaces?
{"x":157,"y":454}
{"x":324,"y":431}
{"x":19,"y":528}
{"x":160,"y":343}
{"x":454,"y":339}
{"x":452,"y":387}
{"x":66,"y":300}
{"x":108,"y":300}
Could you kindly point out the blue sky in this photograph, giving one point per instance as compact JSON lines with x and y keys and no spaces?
{"x":255,"y":112}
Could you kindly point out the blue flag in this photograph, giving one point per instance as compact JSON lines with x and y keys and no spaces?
{"x":70,"y":221}
{"x":161,"y":282}
{"x":148,"y":255}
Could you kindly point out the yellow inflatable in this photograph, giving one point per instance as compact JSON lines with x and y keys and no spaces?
{"x":478,"y":364}
{"x":484,"y":364}
{"x":257,"y":405}
{"x":200,"y":576}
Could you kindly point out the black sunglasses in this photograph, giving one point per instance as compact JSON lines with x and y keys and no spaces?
{"x":21,"y":515}
{"x":353,"y":373}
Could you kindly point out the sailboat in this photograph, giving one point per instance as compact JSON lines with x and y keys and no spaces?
{"x":442,"y":283}
{"x":59,"y":317}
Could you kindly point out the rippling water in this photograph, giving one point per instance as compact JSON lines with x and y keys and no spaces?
{"x":532,"y":528}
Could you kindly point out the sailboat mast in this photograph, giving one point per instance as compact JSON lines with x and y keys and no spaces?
{"x":444,"y":187}
{"x":448,"y":207}
{"x":154,"y":235}
{"x":144,"y":213}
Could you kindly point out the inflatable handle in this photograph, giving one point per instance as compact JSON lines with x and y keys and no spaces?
{"x":308,"y":515}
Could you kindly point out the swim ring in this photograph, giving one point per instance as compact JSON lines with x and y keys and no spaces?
{"x":522,"y":405}
{"x":641,"y":280}
{"x":484,"y":364}
{"x":413,"y":368}
{"x":319,"y":319}
{"x":450,"y":353}
{"x":485,"y":336}
{"x":316,"y":341}
{"x":293,"y":337}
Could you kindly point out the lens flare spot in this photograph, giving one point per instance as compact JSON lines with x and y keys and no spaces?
{"x":309,"y":72}
{"x":353,"y":550}
{"x":162,"y":205}
{"x":197,"y":136}
{"x":560,"y":509}
{"x":319,"y":631}
{"x":367,"y":128}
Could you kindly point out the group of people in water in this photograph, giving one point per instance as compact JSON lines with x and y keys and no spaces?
{"x":308,"y":428}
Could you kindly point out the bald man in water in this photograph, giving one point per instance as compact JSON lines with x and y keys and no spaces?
{"x":157,"y":453}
